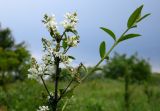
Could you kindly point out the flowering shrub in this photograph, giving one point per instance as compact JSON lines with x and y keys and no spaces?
{"x":55,"y":56}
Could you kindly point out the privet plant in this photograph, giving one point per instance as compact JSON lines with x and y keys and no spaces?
{"x":56,"y":56}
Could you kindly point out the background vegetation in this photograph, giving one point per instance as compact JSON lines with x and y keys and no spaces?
{"x":94,"y":95}
{"x":123,"y":84}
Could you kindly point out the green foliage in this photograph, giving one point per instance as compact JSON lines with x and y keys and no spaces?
{"x":109,"y":32}
{"x":21,"y":97}
{"x":6,"y":39}
{"x":128,"y":36}
{"x":15,"y":58}
{"x":65,"y":74}
{"x":145,"y":16}
{"x":134,"y":17}
{"x":138,"y":69}
{"x":96,"y":95}
{"x":102,"y":49}
{"x":133,"y":20}
{"x":64,"y":44}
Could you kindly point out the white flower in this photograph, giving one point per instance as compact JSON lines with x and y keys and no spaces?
{"x":70,"y":21}
{"x":46,"y":58}
{"x":33,"y":70}
{"x":50,"y":69}
{"x":32,"y":76}
{"x":71,"y":16}
{"x":47,"y":45}
{"x":41,"y":69}
{"x":43,"y":108}
{"x":50,"y":23}
{"x":72,"y":41}
{"x":67,"y":25}
{"x":65,"y":59}
{"x":57,"y":54}
{"x":48,"y":97}
{"x":33,"y":73}
{"x":36,"y":72}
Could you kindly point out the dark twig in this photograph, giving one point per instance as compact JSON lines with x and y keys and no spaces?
{"x":65,"y":90}
{"x":65,"y":51}
{"x":63,"y":35}
{"x":57,"y":61}
{"x":45,"y":86}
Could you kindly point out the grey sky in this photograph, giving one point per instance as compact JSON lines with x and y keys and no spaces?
{"x":24,"y":18}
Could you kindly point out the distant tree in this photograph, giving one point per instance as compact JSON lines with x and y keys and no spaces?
{"x":14,"y":58}
{"x":138,"y":69}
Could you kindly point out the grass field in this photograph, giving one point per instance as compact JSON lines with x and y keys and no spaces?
{"x":94,"y":95}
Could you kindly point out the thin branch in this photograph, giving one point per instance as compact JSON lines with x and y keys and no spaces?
{"x":106,"y":55}
{"x":65,"y":51}
{"x":63,"y":34}
{"x":57,"y":78}
{"x":45,"y":86}
{"x":65,"y":90}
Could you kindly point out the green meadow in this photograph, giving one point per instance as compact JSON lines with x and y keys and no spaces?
{"x":93,"y":95}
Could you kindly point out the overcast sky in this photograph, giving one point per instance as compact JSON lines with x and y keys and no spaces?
{"x":24,"y":17}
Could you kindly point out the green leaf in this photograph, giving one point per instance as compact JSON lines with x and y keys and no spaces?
{"x":134,"y":17}
{"x":128,"y":36}
{"x":73,"y":31}
{"x":71,"y":57}
{"x":102,"y":49}
{"x":146,"y":15}
{"x":109,"y":32}
{"x":64,"y":44}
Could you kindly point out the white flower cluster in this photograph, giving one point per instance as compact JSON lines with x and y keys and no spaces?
{"x":38,"y":70}
{"x":72,"y":41}
{"x":70,"y":21}
{"x":64,"y":58}
{"x":52,"y":48}
{"x":50,"y":23}
{"x":47,"y":58}
{"x":48,"y":47}
{"x":43,"y":108}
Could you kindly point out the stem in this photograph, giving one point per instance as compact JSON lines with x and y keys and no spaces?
{"x":56,"y":83}
{"x":65,"y":104}
{"x":65,"y":51}
{"x":45,"y":86}
{"x":64,"y":91}
{"x":125,"y":32}
{"x":106,"y":55}
{"x":63,"y":34}
{"x":94,"y":68}
{"x":57,"y":62}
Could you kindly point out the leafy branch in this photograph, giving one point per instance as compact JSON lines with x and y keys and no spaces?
{"x":133,"y":21}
